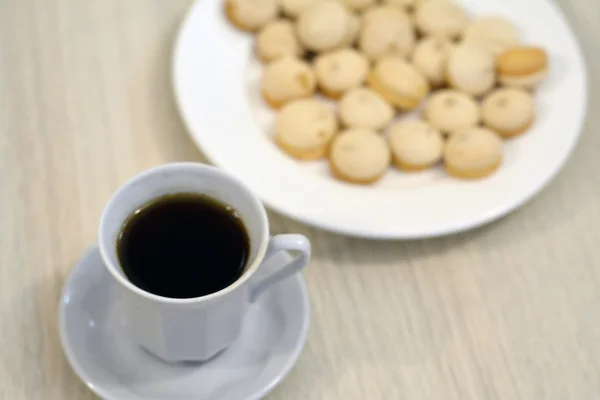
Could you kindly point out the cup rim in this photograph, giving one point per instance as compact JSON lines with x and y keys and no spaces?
{"x":264,"y":240}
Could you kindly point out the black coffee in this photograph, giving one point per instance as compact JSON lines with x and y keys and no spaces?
{"x":183,"y":245}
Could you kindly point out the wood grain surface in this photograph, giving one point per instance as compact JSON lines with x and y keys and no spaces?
{"x":505,"y":312}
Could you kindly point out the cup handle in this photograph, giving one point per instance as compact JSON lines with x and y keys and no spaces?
{"x":287,"y":242}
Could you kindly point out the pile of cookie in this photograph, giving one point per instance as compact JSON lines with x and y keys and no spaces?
{"x":470,"y":78}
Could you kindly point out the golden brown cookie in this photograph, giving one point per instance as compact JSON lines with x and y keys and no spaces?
{"x":354,"y":24}
{"x":450,"y":110}
{"x":287,"y":79}
{"x":386,"y":30}
{"x":415,"y":145}
{"x":493,"y":33}
{"x":398,"y":82}
{"x":359,"y":5}
{"x":278,"y":39}
{"x":523,"y":67}
{"x":508,"y":111}
{"x":324,"y":26}
{"x":440,"y":17}
{"x":471,"y":70}
{"x":305,"y":128}
{"x":408,"y":5}
{"x":473,"y":153}
{"x":339,"y":71}
{"x":293,"y":8}
{"x":251,"y":15}
{"x":365,"y":108}
{"x":431,"y":57}
{"x":359,"y":155}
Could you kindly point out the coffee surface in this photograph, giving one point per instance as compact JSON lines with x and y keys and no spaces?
{"x":183,"y":246}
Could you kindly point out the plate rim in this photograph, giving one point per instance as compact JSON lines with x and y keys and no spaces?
{"x":468,"y":224}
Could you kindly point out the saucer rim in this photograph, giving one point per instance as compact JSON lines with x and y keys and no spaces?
{"x":102,"y":393}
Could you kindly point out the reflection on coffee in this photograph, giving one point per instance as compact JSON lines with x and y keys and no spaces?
{"x":183,"y":245}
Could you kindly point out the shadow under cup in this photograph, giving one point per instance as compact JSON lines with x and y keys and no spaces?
{"x":174,"y":179}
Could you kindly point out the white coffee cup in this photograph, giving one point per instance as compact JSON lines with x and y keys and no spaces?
{"x":194,"y":329}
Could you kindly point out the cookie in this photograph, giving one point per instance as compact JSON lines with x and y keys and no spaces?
{"x":304,"y":129}
{"x":440,"y":17}
{"x":365,"y":108}
{"x":508,"y":111}
{"x":495,"y":34}
{"x":471,"y":70}
{"x":523,"y":67}
{"x":398,"y":82}
{"x":359,"y":155}
{"x":473,"y":153}
{"x":339,"y":71}
{"x":287,"y":79}
{"x":408,"y":5}
{"x":352,"y":32}
{"x":251,"y":15}
{"x":415,"y":145}
{"x":276,"y":40}
{"x":377,"y":12}
{"x":386,"y":30}
{"x":431,"y":56}
{"x":293,"y":8}
{"x":450,"y":110}
{"x":359,"y":5}
{"x":324,"y":26}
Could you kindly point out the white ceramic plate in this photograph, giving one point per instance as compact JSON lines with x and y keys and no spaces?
{"x":216,"y":80}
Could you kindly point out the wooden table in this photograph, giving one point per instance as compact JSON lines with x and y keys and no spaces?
{"x":506,"y":312}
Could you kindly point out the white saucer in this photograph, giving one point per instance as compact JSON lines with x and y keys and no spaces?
{"x":217,"y":88}
{"x":113,"y":367}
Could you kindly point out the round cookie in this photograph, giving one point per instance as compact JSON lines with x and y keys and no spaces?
{"x":431,"y":56}
{"x":386,"y":30}
{"x":473,"y":153}
{"x":251,"y":15}
{"x":405,"y":4}
{"x":450,"y":110}
{"x":398,"y":82}
{"x":359,"y":5}
{"x":440,"y":17}
{"x":508,"y":111}
{"x":324,"y":26}
{"x":495,"y":34}
{"x":471,"y":69}
{"x":353,"y":31}
{"x":304,"y":129}
{"x":522,"y":67}
{"x":293,"y":8}
{"x":359,"y":155}
{"x":276,"y":40}
{"x":376,"y":12}
{"x":415,"y":145}
{"x":287,"y":79}
{"x":339,"y":71}
{"x":365,"y":108}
